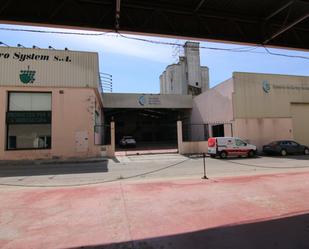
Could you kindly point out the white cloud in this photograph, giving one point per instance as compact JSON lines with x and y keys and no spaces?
{"x":119,"y":45}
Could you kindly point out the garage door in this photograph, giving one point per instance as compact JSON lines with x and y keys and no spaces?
{"x":300,"y":115}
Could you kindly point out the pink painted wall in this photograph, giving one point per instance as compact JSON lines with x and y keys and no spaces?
{"x":72,"y":113}
{"x":261,"y":131}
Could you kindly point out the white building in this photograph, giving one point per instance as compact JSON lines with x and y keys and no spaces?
{"x":187,"y":76}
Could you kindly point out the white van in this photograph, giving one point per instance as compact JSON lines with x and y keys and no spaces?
{"x":230,"y":146}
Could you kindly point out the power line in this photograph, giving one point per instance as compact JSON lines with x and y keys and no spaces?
{"x":285,"y":55}
{"x":97,"y":182}
{"x":248,"y":49}
{"x":53,"y":32}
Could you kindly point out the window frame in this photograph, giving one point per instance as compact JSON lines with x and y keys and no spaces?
{"x":7,"y":125}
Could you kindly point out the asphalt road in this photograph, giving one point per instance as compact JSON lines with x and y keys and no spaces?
{"x":145,"y":167}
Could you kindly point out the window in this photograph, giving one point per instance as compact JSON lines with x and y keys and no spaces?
{"x":240,"y":142}
{"x":218,"y":130}
{"x":28,"y":120}
{"x":28,"y":136}
{"x":294,"y":144}
{"x":28,"y":101}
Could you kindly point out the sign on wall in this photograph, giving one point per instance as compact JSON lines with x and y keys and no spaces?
{"x":149,"y":100}
{"x":27,"y":76}
{"x":46,"y":67}
{"x":267,"y":87}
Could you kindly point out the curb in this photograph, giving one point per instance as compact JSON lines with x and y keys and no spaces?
{"x":46,"y":162}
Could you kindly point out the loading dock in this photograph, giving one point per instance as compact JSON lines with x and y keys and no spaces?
{"x":150,"y":118}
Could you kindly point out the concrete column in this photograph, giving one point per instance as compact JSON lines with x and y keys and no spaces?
{"x":113,"y":135}
{"x":179,"y":136}
{"x":111,"y":147}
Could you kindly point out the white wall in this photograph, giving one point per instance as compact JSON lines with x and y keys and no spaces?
{"x":192,"y":54}
{"x":214,"y":105}
{"x":205,"y":78}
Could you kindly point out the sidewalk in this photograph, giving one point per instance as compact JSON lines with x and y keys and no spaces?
{"x":52,"y":161}
{"x":266,"y":211}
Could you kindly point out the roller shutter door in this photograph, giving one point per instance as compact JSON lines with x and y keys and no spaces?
{"x":300,"y":116}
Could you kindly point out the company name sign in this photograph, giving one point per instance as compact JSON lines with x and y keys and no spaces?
{"x":291,"y":87}
{"x":48,"y":67}
{"x":267,"y":87}
{"x":149,"y":100}
{"x":18,"y":56}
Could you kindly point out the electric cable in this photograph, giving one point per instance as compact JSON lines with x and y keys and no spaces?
{"x":94,"y":183}
{"x":53,"y":32}
{"x":241,"y":49}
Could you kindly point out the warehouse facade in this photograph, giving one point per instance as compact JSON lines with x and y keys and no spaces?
{"x":50,"y":103}
{"x":259,"y":107}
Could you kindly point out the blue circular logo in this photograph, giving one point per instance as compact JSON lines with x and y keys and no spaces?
{"x":142,"y":100}
{"x":266,"y":86}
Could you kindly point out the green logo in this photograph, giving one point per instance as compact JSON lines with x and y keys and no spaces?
{"x":266,"y":86}
{"x":27,"y":76}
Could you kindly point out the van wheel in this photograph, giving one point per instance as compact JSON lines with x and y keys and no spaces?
{"x":306,"y":151}
{"x":283,"y":152}
{"x":251,"y":153}
{"x":223,"y":154}
{"x":213,"y":156}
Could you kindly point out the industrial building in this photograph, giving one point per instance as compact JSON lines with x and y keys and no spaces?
{"x":50,"y":103}
{"x":151,"y":118}
{"x":53,"y":106}
{"x":259,"y":108}
{"x":187,"y":77}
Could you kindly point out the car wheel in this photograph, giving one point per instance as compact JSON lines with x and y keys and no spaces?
{"x":283,"y":152}
{"x":223,"y":154}
{"x":306,"y":151}
{"x":213,"y":156}
{"x":251,"y":153}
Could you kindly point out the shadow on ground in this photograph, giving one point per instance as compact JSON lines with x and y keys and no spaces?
{"x":296,"y":157}
{"x":53,"y":169}
{"x":283,"y":233}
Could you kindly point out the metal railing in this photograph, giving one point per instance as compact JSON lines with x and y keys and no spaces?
{"x":106,"y":82}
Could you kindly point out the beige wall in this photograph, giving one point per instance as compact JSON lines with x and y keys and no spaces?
{"x":251,"y":101}
{"x":300,"y":117}
{"x":261,"y":131}
{"x":214,"y":105}
{"x":72,"y":122}
{"x":53,"y":68}
{"x":262,"y":116}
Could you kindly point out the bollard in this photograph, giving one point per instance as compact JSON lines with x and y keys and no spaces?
{"x":204,"y":157}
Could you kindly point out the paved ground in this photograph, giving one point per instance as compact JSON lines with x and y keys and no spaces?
{"x":165,"y":166}
{"x":266,"y":211}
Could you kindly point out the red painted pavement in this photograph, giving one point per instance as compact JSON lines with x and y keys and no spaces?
{"x":269,"y":211}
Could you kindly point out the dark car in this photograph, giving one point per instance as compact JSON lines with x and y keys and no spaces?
{"x":285,"y":147}
{"x":127,"y":141}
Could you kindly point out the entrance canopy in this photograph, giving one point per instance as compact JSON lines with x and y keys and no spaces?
{"x":143,"y":101}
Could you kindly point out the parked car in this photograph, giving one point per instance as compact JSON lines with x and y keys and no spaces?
{"x":230,"y":146}
{"x":285,"y":147}
{"x":127,"y":141}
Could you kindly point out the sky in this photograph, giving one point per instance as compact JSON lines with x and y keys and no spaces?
{"x":137,"y":65}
